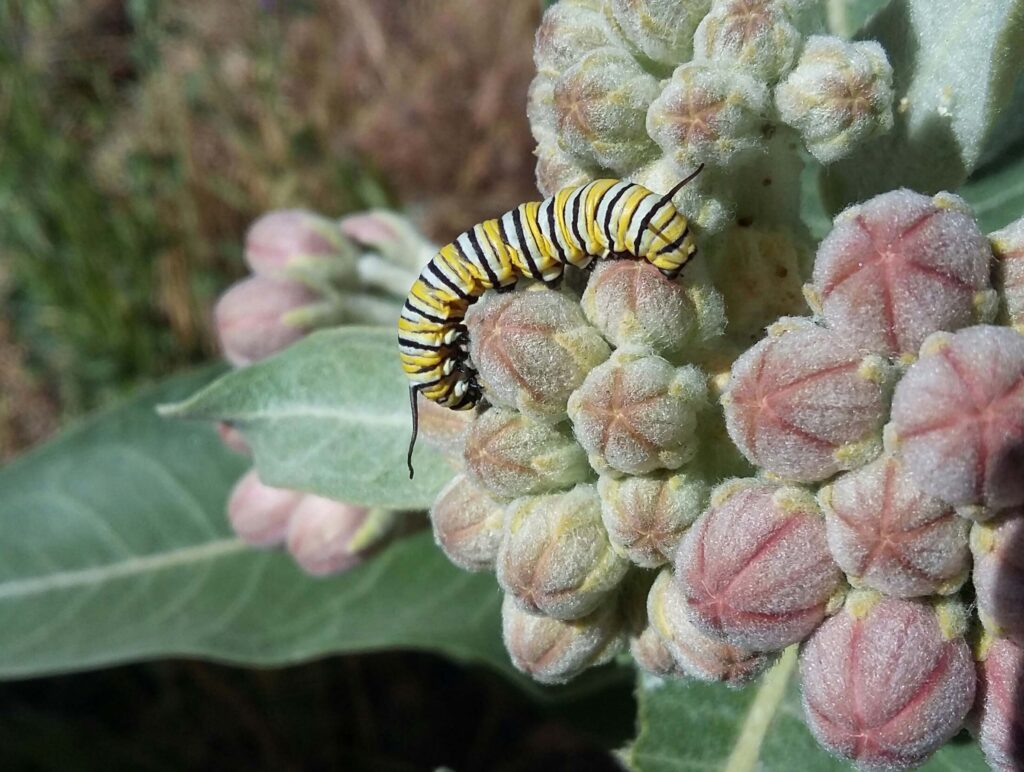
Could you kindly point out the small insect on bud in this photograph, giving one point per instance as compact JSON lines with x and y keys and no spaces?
{"x":554,"y":651}
{"x":804,"y":403}
{"x":886,"y":682}
{"x":633,"y":304}
{"x":956,"y":419}
{"x":328,"y":537}
{"x":888,"y":535}
{"x":511,"y":455}
{"x":839,"y":95}
{"x":555,"y":557}
{"x":694,"y":653}
{"x":659,"y":30}
{"x":999,"y":574}
{"x":289,"y":238}
{"x":636,"y":413}
{"x":258,"y":513}
{"x":1008,"y":246}
{"x":647,"y":516}
{"x":708,"y":114}
{"x":569,"y":30}
{"x":532,"y":348}
{"x":756,"y":35}
{"x":1000,"y":705}
{"x":250,"y":318}
{"x":900,"y":267}
{"x":601,"y":105}
{"x":467,"y":524}
{"x":755,"y":570}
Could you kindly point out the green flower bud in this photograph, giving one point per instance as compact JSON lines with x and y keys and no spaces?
{"x":556,"y":169}
{"x":467,"y":524}
{"x":708,"y":114}
{"x":555,"y":557}
{"x":636,"y":413}
{"x":1008,"y":246}
{"x":540,"y":110}
{"x":659,"y":30}
{"x":839,"y":95}
{"x":509,"y":454}
{"x":756,"y":35}
{"x":568,"y":31}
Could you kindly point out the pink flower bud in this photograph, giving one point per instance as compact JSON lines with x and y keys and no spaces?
{"x":958,"y":418}
{"x":652,"y":655}
{"x":325,"y":537}
{"x":467,"y":524}
{"x":390,"y":235}
{"x":1008,"y":247}
{"x":1000,"y":704}
{"x":804,"y":403}
{"x":886,"y":682}
{"x":998,"y":548}
{"x":756,"y":35}
{"x":279,"y":239}
{"x":900,"y":267}
{"x":249,"y":318}
{"x":260,"y":514}
{"x":887,"y":535}
{"x":755,"y":570}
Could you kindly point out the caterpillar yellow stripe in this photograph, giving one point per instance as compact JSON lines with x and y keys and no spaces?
{"x":604,"y":219}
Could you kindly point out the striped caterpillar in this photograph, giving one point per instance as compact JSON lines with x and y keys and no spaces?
{"x":604,"y":219}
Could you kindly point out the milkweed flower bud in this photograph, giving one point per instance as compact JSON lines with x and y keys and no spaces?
{"x":755,"y":570}
{"x":1000,"y":704}
{"x":284,"y":239}
{"x":839,"y":95}
{"x":804,"y":403}
{"x":633,"y":304}
{"x":250,"y":318}
{"x":569,"y":30}
{"x":999,"y":574}
{"x":554,"y":651}
{"x":660,"y":30}
{"x":555,"y":557}
{"x":900,"y":267}
{"x":698,"y":200}
{"x":708,"y":114}
{"x":556,"y":169}
{"x":467,"y":524}
{"x":532,"y":348}
{"x":390,"y":236}
{"x":601,"y":103}
{"x":328,"y":537}
{"x":652,"y":655}
{"x":888,"y":535}
{"x":886,"y":682}
{"x":647,"y":516}
{"x":756,"y":35}
{"x":443,"y":429}
{"x":259,"y":514}
{"x":509,"y":455}
{"x":694,"y":653}
{"x":956,"y":418}
{"x":1008,"y":246}
{"x":540,"y":110}
{"x":636,"y":413}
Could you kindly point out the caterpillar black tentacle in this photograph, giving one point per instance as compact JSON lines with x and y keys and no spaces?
{"x":604,"y":219}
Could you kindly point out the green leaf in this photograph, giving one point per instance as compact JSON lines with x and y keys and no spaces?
{"x":330,"y":415}
{"x":114,"y":547}
{"x":846,"y":17}
{"x":955,"y":65}
{"x":686,"y":726}
{"x":997,"y":197}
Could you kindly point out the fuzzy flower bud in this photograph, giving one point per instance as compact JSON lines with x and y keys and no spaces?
{"x":698,"y":200}
{"x":390,"y":236}
{"x":554,"y":651}
{"x":693,"y":652}
{"x":1008,"y":246}
{"x":569,"y":30}
{"x":532,"y":348}
{"x":633,"y":304}
{"x":556,"y":169}
{"x":555,"y":557}
{"x":647,"y":516}
{"x":900,"y":267}
{"x":636,"y":413}
{"x":887,"y":535}
{"x":443,"y":429}
{"x":509,"y":455}
{"x":258,"y":513}
{"x":708,"y":114}
{"x":286,"y":239}
{"x":660,"y":30}
{"x":1000,"y":704}
{"x":467,"y":524}
{"x":250,"y":318}
{"x":755,"y":35}
{"x":886,"y":682}
{"x":601,"y":105}
{"x":652,"y":655}
{"x":839,"y":95}
{"x":328,"y":537}
{"x":958,"y":418}
{"x":755,"y":570}
{"x":804,"y":403}
{"x":998,"y":548}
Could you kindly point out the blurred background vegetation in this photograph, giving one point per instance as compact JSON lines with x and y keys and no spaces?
{"x":139,"y":139}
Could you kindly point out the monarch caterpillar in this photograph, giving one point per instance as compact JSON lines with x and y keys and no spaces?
{"x":604,"y":219}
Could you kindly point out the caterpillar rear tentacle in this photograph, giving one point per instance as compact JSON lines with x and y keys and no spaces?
{"x":604,"y":219}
